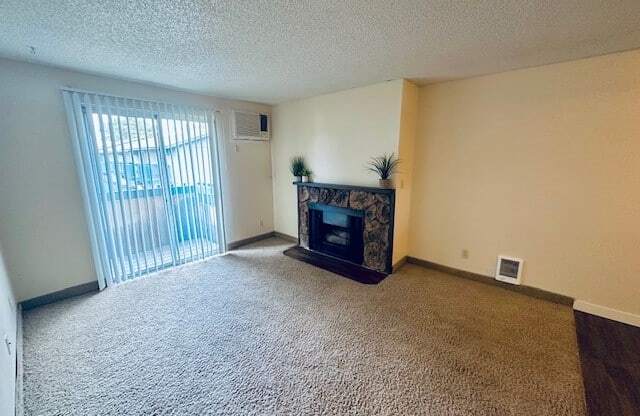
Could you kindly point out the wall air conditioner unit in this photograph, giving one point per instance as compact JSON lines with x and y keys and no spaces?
{"x":509,"y":270}
{"x":251,"y":126}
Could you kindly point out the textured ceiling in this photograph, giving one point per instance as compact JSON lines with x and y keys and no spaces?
{"x":272,"y":51}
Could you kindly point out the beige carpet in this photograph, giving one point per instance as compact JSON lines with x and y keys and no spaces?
{"x":258,"y":333}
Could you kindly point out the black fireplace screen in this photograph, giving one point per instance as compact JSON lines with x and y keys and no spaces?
{"x":336,"y":231}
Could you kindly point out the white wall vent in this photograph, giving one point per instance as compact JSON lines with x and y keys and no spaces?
{"x":509,"y":269}
{"x":251,"y":126}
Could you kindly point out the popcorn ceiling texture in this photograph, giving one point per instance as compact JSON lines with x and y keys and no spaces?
{"x":258,"y":333}
{"x":275,"y":50}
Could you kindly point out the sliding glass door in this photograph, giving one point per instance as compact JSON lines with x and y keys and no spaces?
{"x":151,"y":182}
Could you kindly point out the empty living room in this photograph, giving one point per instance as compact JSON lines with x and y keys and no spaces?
{"x":354,"y":207}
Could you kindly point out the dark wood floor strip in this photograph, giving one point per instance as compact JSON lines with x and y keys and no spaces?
{"x":610,"y":359}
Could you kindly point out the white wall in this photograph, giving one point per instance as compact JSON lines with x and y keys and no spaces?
{"x":7,"y":329}
{"x":42,"y":223}
{"x":337,"y":134}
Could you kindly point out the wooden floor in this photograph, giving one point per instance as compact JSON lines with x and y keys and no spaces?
{"x":610,"y":358}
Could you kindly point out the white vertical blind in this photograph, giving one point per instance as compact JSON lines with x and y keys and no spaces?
{"x":150,"y":177}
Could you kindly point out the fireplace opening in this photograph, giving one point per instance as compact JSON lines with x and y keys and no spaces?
{"x":336,"y":231}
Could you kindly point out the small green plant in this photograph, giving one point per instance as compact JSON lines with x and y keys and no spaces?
{"x":297,"y":166}
{"x":306,"y":172}
{"x":384,"y":166}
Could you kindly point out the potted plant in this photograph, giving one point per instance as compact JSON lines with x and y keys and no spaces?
{"x":297,"y":167}
{"x":384,"y":166}
{"x":306,"y":175}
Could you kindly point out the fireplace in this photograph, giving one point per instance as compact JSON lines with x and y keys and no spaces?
{"x":336,"y":231}
{"x":346,"y":229}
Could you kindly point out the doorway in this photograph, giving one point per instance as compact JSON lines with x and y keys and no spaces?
{"x":152,"y":183}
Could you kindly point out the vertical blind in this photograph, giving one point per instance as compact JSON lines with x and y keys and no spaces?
{"x":151,"y":184}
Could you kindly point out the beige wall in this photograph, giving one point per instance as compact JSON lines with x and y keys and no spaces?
{"x":43,"y":228}
{"x":403,"y":179}
{"x":337,"y":133}
{"x":542,"y":164}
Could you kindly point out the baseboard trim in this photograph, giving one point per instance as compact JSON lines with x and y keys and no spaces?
{"x":59,"y":295}
{"x":236,"y":244}
{"x":286,"y":237}
{"x":525,"y":290}
{"x":605,"y":312}
{"x":245,"y":241}
{"x":399,"y":264}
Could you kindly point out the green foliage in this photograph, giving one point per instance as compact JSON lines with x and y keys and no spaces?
{"x":383,"y":166}
{"x":297,"y":166}
{"x":306,"y":172}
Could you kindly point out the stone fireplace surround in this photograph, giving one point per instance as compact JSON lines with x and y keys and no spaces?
{"x":377,"y":204}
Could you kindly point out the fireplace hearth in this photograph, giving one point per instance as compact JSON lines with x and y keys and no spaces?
{"x":346,"y":229}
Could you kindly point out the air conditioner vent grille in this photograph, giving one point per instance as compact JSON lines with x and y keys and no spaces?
{"x":251,"y":126}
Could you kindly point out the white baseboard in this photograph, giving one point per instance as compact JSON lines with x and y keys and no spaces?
{"x":609,"y":313}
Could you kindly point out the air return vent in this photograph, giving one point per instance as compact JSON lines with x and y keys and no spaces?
{"x":509,"y":269}
{"x":251,"y":126}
